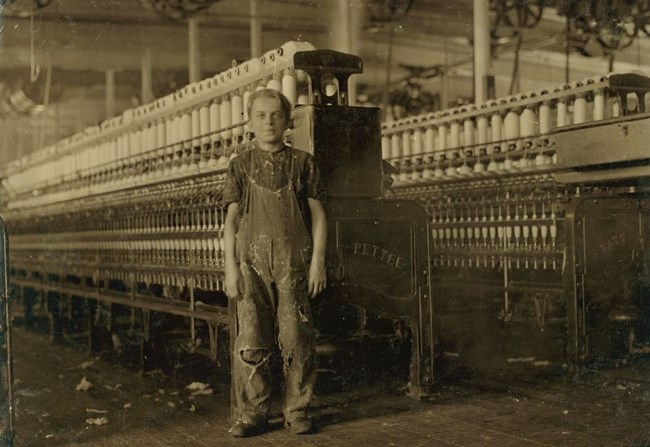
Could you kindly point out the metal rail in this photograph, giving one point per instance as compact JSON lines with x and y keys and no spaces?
{"x":210,"y":313}
{"x":6,"y":365}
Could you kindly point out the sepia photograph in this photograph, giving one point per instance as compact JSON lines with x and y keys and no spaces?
{"x":325,"y":223}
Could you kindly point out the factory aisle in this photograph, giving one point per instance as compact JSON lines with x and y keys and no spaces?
{"x":65,"y":398}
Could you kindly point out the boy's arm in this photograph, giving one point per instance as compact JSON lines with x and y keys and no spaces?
{"x":234,"y":283}
{"x":317,"y":277}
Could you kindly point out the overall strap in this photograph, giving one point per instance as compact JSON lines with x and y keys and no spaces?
{"x":291,"y":165}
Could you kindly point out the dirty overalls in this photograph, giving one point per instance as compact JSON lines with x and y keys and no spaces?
{"x":273,"y":249}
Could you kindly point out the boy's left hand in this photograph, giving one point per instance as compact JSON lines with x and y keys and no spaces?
{"x":317,"y":278}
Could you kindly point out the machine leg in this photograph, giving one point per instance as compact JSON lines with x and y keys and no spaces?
{"x":75,"y":317}
{"x":154,"y":342}
{"x":100,"y":326}
{"x":6,"y":363}
{"x":421,"y":371}
{"x":414,"y":388}
{"x":54,"y":313}
{"x":94,"y":339}
{"x":28,"y":297}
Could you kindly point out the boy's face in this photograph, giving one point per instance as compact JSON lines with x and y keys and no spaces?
{"x":267,"y":120}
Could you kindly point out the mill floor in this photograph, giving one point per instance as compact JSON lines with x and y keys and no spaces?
{"x":122,"y":407}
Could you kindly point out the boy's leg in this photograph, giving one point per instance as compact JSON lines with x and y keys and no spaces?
{"x":254,"y":343}
{"x":296,"y":336}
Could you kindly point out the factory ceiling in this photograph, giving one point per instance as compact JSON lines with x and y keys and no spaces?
{"x":69,"y":45}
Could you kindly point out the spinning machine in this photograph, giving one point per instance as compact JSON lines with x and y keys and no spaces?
{"x":514,"y":233}
{"x":120,"y":226}
{"x":539,"y":220}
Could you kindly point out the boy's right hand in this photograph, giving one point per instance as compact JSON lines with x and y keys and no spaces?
{"x":234,"y":281}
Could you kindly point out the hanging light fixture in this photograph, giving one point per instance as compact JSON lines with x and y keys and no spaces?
{"x":22,"y":98}
{"x":517,"y":13}
{"x":382,"y":11}
{"x":180,"y":9}
{"x":15,"y":102}
{"x":22,"y":8}
{"x":601,"y":27}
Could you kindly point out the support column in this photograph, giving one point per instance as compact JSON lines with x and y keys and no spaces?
{"x":6,"y":154}
{"x":346,"y":22}
{"x":256,"y":30}
{"x":20,"y":134}
{"x":146,"y":84}
{"x":80,"y":103}
{"x":44,"y":121}
{"x":444,"y":91}
{"x":110,"y":94}
{"x":481,"y":49}
{"x":36,"y":133}
{"x":194,"y":49}
{"x":57,"y":120}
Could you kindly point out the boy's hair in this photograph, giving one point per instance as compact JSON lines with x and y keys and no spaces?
{"x":270,"y":93}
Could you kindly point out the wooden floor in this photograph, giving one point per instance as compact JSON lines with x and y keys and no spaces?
{"x":608,"y":407}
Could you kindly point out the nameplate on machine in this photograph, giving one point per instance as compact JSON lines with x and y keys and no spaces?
{"x":376,"y":257}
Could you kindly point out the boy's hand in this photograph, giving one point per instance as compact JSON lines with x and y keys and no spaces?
{"x":234,"y":281}
{"x":317,"y":278}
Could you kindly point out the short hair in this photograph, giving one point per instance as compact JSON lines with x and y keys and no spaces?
{"x":270,"y":93}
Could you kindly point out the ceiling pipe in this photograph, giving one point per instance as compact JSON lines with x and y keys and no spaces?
{"x":255,"y":30}
{"x":194,"y":50}
{"x":146,"y":81}
{"x":110,"y":94}
{"x":481,"y":23}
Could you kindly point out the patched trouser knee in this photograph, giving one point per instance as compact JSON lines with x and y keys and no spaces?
{"x":252,"y":384}
{"x":254,"y":357}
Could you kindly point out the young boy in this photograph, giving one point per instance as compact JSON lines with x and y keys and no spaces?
{"x":275,"y":234}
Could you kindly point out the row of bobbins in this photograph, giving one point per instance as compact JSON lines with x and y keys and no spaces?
{"x":171,"y":138}
{"x":205,"y":135}
{"x":513,"y":228}
{"x":502,"y":135}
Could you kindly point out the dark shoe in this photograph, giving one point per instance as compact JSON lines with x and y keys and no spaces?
{"x":243,"y":429}
{"x":301,"y":426}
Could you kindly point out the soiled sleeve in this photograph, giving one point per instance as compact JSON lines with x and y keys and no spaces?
{"x":314,"y":180}
{"x":233,"y":188}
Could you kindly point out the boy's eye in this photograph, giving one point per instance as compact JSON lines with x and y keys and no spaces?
{"x":274,"y":116}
